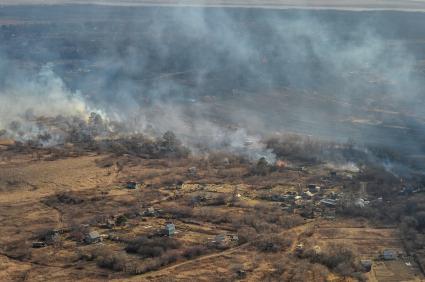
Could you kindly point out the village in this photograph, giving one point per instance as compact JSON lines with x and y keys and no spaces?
{"x":114,"y":226}
{"x":246,"y":143}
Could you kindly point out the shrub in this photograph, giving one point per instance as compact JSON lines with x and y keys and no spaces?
{"x":152,"y":247}
{"x":177,"y":211}
{"x":272,"y":243}
{"x":194,"y":251}
{"x":115,"y":262}
{"x":121,"y":220}
{"x":336,"y":257}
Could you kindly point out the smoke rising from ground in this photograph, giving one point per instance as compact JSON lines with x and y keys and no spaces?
{"x":43,"y":94}
{"x":226,"y":78}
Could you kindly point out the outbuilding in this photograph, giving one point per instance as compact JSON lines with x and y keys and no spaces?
{"x":389,"y":255}
{"x":328,"y":202}
{"x":133,"y":185}
{"x":92,"y":238}
{"x":170,"y":229}
{"x":366,"y":264}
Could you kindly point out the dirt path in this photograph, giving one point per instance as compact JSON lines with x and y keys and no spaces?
{"x":166,"y":270}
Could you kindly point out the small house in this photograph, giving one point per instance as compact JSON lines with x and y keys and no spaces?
{"x":366,"y":264}
{"x":170,"y":229}
{"x":360,"y":203}
{"x":313,"y":188}
{"x":92,"y":238}
{"x":241,"y":273}
{"x":299,"y":249}
{"x":133,"y":185}
{"x":389,"y":255}
{"x":220,"y":240}
{"x":308,"y":195}
{"x":109,"y":223}
{"x":151,"y":212}
{"x":37,"y":245}
{"x":52,"y":236}
{"x":328,"y":202}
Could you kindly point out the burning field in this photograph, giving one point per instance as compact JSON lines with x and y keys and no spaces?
{"x":211,"y":144}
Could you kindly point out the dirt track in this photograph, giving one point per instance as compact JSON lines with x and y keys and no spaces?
{"x":408,"y":5}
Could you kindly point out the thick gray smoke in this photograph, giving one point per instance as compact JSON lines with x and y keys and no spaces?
{"x":226,"y":78}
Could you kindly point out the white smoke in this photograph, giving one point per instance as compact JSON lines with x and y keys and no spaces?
{"x":43,"y":95}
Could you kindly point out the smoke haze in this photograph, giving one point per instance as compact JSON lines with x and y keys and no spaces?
{"x":219,"y":78}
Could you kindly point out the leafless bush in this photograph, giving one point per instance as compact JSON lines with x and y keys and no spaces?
{"x":336,"y":257}
{"x":116,"y":262}
{"x":152,"y":247}
{"x":171,"y":180}
{"x":66,"y":198}
{"x":211,"y":215}
{"x":177,"y":211}
{"x":272,"y":243}
{"x":267,"y":219}
{"x":295,"y":147}
{"x":218,"y":200}
{"x":78,"y":232}
{"x":246,"y":234}
{"x":195,"y":251}
{"x":262,"y":168}
{"x":18,"y":250}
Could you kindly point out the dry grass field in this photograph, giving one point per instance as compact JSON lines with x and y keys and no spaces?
{"x":74,"y":194}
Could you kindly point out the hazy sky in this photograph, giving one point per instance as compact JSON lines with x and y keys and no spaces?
{"x":417,"y":5}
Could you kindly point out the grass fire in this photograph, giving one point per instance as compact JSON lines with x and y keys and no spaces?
{"x":188,"y":141}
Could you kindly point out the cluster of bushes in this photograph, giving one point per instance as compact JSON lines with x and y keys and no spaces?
{"x":262,"y":218}
{"x":267,"y":219}
{"x":262,"y":168}
{"x":166,"y":146}
{"x":67,"y":198}
{"x":115,"y":262}
{"x":63,"y":198}
{"x":296,"y":147}
{"x":412,"y":224}
{"x":152,"y":247}
{"x":208,"y":200}
{"x":272,"y":243}
{"x":171,"y":256}
{"x":106,"y":258}
{"x":177,"y":211}
{"x":156,"y":253}
{"x":17,"y":250}
{"x":210,"y":214}
{"x":287,"y":269}
{"x":96,"y":134}
{"x":337,"y":258}
{"x":194,"y":251}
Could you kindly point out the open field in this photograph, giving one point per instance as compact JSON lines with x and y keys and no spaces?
{"x":370,"y":241}
{"x":79,"y":193}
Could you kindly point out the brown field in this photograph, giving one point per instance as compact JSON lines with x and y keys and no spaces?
{"x":39,"y":193}
{"x":369,"y":241}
